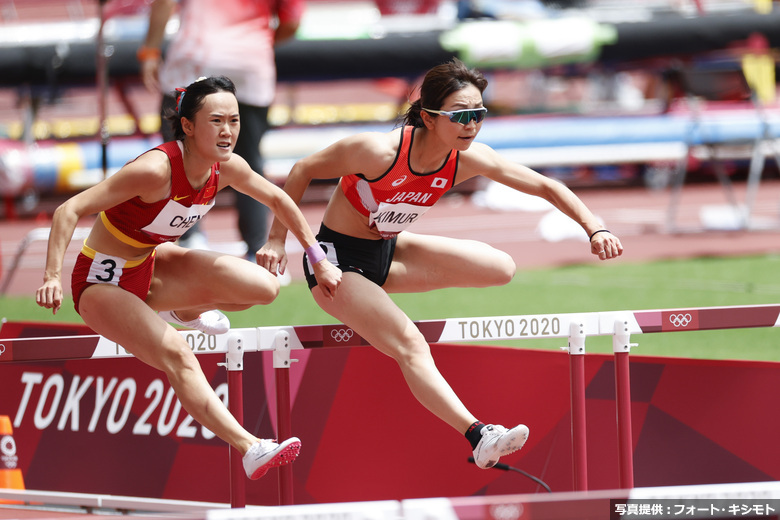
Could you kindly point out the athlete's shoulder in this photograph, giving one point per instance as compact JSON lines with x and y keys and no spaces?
{"x":373,"y":140}
{"x":150,"y":160}
{"x":479,"y":159}
{"x":234,"y":171}
{"x":235,"y":163}
{"x":479,"y":153}
{"x":363,"y":149}
{"x":149,"y":170}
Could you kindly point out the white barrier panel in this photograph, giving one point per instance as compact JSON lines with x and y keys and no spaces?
{"x":492,"y":328}
{"x":576,"y":327}
{"x":379,"y":510}
{"x":713,"y":501}
{"x":93,"y":346}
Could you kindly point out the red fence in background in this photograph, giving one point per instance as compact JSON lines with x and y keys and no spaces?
{"x":693,"y":421}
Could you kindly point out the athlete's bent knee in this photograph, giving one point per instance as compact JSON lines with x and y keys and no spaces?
{"x":269,"y":293}
{"x":177,"y":357}
{"x":410,"y":350}
{"x":256,"y":288}
{"x":503,"y":268}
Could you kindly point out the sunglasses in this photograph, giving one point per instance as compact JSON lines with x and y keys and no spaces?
{"x":464,"y":116}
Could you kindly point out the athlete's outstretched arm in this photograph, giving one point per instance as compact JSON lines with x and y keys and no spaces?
{"x":482,"y":160}
{"x":240,"y":176}
{"x":354,"y":154}
{"x":149,"y":171}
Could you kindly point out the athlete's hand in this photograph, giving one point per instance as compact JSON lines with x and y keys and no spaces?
{"x":272,"y":256}
{"x":150,"y":75}
{"x":328,"y":277}
{"x":606,"y":245}
{"x":49,"y":295}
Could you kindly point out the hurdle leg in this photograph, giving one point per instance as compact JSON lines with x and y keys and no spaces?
{"x":235,"y":371}
{"x":578,"y":426}
{"x":621,"y":347}
{"x":23,"y":245}
{"x":282,"y":364}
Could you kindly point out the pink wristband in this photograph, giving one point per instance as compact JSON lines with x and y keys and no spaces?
{"x":315,"y":254}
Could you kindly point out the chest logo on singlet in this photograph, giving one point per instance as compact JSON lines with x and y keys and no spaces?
{"x":439,"y":182}
{"x":399,"y":181}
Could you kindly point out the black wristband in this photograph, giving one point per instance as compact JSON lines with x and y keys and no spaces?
{"x":599,"y":231}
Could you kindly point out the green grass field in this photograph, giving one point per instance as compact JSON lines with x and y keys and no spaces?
{"x":703,"y":282}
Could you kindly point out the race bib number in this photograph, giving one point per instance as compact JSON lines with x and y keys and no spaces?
{"x":174,"y":219}
{"x":391,"y":219}
{"x":106,"y":269}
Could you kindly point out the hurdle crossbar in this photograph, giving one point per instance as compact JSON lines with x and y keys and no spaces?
{"x":449,"y":330}
{"x":106,"y":504}
{"x":576,"y":327}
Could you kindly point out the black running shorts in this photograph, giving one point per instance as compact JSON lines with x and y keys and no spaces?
{"x":370,"y":258}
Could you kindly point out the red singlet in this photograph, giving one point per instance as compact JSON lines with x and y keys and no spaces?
{"x":142,"y":224}
{"x":400,"y":196}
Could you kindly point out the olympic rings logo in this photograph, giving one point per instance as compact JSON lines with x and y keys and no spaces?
{"x":342,"y":335}
{"x":680,"y":320}
{"x":8,"y":446}
{"x":8,"y":460}
{"x":507,"y":511}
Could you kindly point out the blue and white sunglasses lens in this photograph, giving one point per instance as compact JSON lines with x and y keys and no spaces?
{"x":464,"y":116}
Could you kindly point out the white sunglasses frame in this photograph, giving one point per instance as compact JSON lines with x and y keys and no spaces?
{"x":451,"y":113}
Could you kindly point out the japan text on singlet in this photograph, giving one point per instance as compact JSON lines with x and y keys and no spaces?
{"x":142,"y":224}
{"x":399,"y":197}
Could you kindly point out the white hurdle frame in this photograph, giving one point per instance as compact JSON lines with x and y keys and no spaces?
{"x":283,"y":340}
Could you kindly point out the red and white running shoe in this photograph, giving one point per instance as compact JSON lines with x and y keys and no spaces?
{"x":268,"y":454}
{"x":209,"y":322}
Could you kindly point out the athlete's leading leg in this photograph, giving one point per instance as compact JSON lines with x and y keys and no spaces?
{"x":122,"y":317}
{"x":425,"y":262}
{"x":366,"y":308}
{"x":192,"y":281}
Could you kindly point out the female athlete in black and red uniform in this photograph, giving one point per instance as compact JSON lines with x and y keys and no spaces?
{"x":386,"y":182}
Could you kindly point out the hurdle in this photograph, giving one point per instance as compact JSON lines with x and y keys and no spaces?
{"x":283,"y":340}
{"x":40,"y":234}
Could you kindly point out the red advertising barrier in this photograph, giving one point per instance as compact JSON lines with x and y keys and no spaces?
{"x":114,"y":425}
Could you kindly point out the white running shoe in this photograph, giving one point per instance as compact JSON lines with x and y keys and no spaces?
{"x":267,"y":454}
{"x":496,"y":442}
{"x":209,"y":322}
{"x":284,"y":278}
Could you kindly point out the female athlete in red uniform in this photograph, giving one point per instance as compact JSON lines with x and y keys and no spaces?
{"x":387,"y":181}
{"x":128,"y":268}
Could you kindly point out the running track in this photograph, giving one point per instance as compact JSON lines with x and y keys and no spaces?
{"x":636,"y":215}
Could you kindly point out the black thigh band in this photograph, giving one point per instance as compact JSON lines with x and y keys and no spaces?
{"x":370,"y":258}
